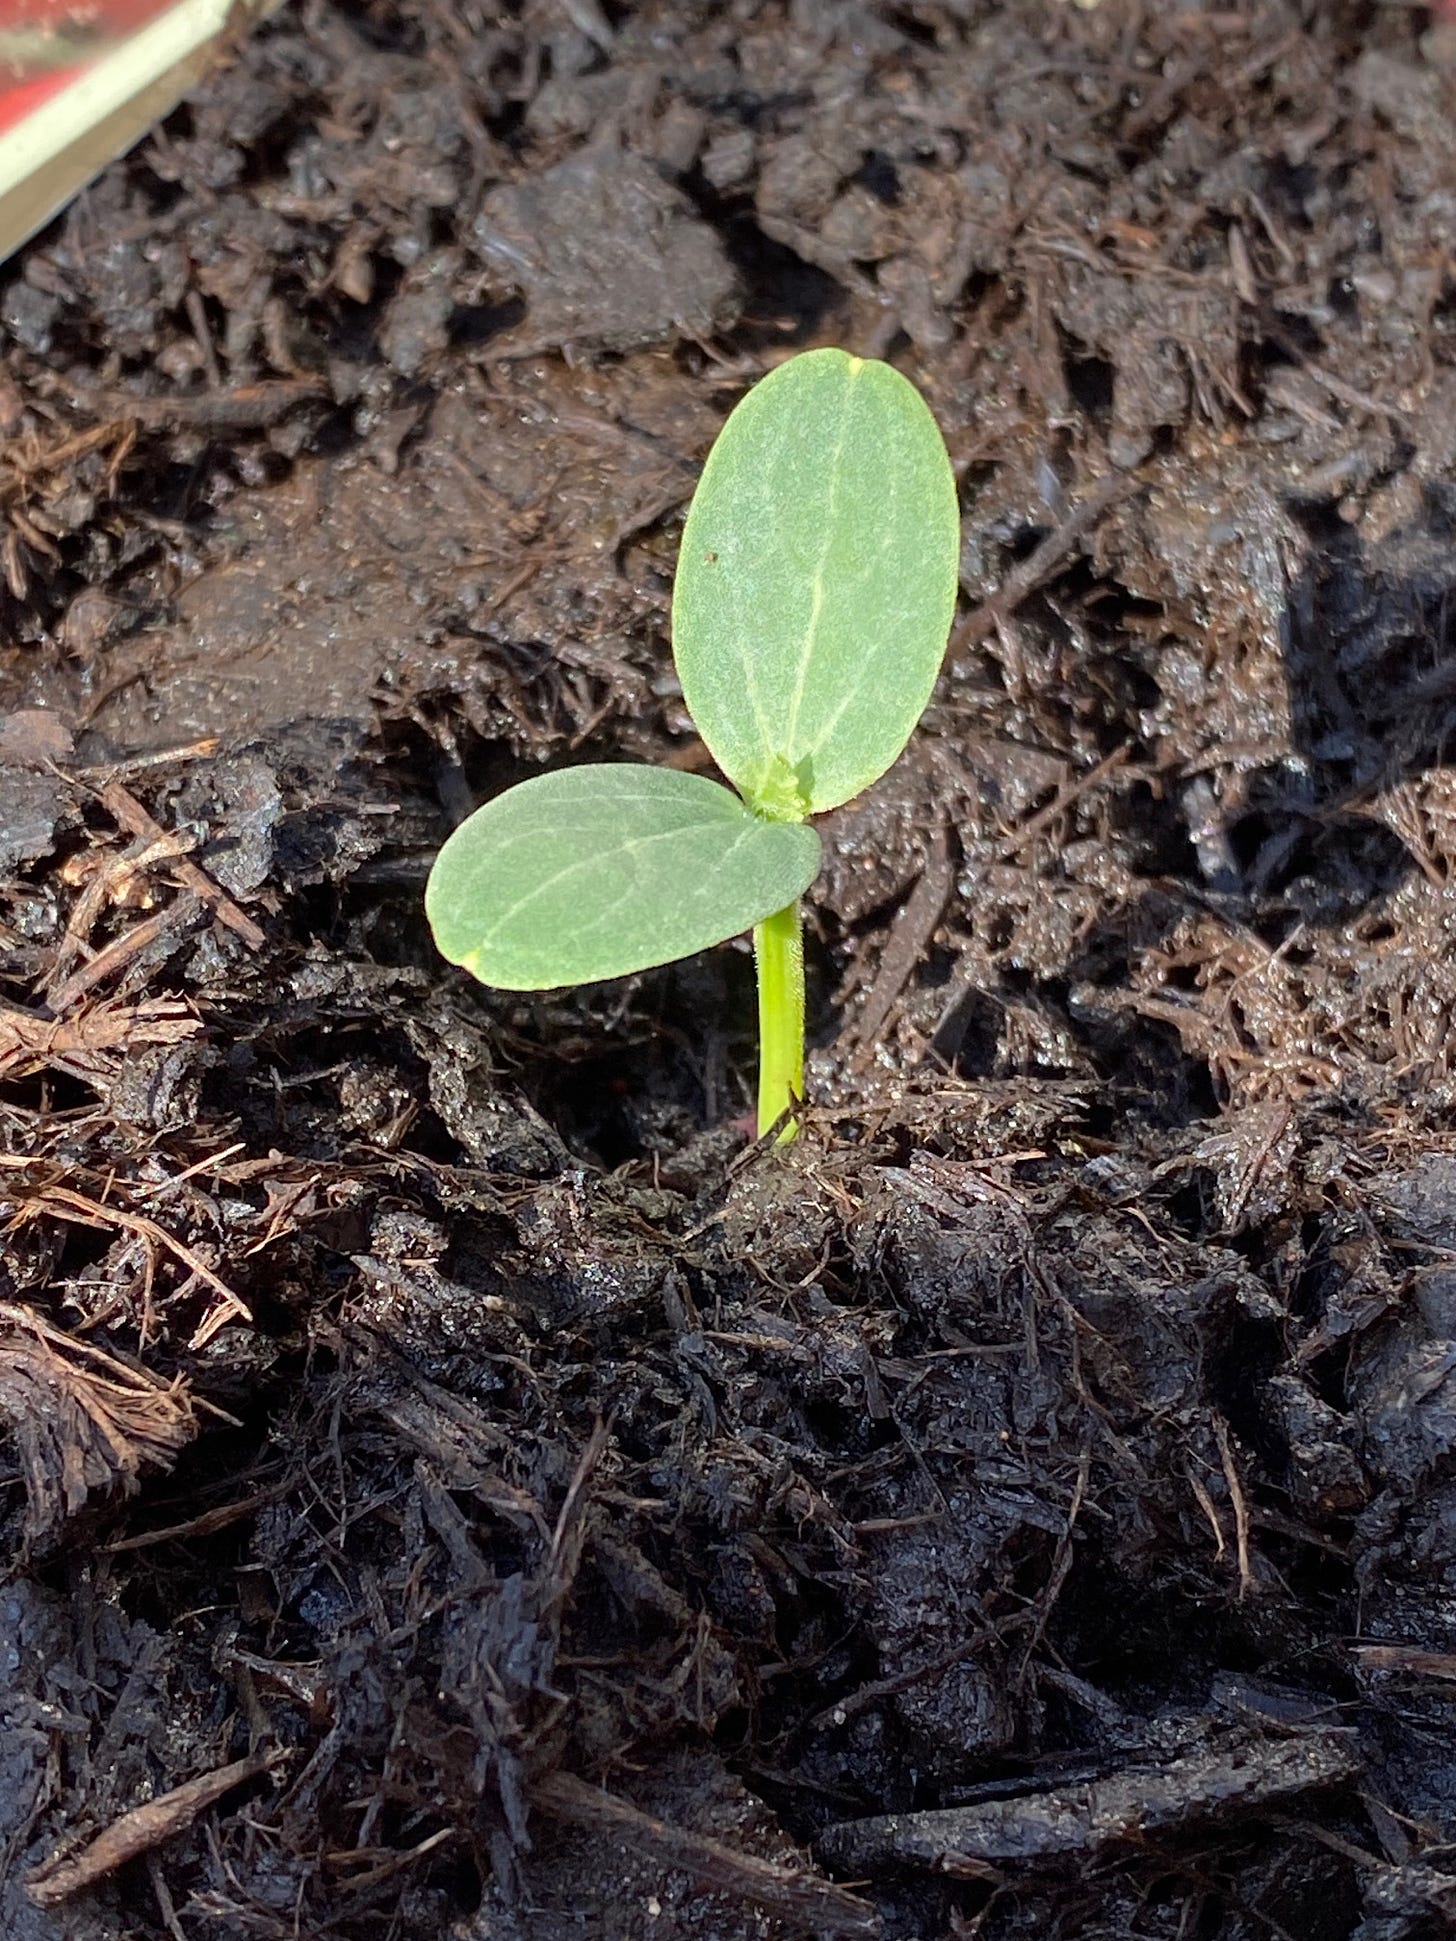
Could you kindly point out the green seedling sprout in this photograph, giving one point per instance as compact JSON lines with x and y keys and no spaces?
{"x":815,"y":587}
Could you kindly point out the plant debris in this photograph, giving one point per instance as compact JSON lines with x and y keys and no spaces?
{"x":80,"y":1419}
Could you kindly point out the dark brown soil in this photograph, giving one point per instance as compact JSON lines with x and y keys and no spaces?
{"x":509,"y":1507}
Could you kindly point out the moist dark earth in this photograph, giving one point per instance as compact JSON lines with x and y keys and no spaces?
{"x":453,"y":1484}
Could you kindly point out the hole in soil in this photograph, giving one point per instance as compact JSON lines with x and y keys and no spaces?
{"x":50,"y":1094}
{"x":608,"y":1106}
{"x":1181,"y":977}
{"x":268,"y":153}
{"x":971,"y":1036}
{"x":508,"y":122}
{"x":391,"y":31}
{"x":976,"y":478}
{"x":1331,"y":869}
{"x":1244,"y":1354}
{"x":1147,"y":1075}
{"x":789,"y":300}
{"x":475,"y":324}
{"x":1249,"y":836}
{"x":1091,"y":381}
{"x":1189,"y":1210}
{"x":1288,"y":187}
{"x":1155,"y":833}
{"x":337,"y":433}
{"x":906,"y":21}
{"x":162,"y":194}
{"x":977,"y":286}
{"x":1379,"y":930}
{"x":878,"y":174}
{"x":1297,"y":339}
{"x":845,"y":1431}
{"x":1170,"y":1637}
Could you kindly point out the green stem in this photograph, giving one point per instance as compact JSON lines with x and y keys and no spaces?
{"x":778,"y":946}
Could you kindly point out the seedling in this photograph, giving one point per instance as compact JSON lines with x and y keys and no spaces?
{"x":815,"y":587}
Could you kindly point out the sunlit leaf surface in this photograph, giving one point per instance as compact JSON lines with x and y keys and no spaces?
{"x":595,"y":872}
{"x":817,"y":581}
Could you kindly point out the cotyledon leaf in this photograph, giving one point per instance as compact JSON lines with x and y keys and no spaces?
{"x":817,"y":581}
{"x":599,"y":871}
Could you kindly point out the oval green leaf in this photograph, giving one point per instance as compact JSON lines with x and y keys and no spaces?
{"x":597,"y":872}
{"x":817,"y":581}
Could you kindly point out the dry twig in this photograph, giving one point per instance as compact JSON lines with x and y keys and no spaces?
{"x":138,"y":1832}
{"x":81,"y":1045}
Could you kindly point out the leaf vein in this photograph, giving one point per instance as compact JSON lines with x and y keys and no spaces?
{"x":816,"y":606}
{"x":629,"y":847}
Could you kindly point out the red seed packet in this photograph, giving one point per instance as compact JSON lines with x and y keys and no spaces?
{"x":81,"y":80}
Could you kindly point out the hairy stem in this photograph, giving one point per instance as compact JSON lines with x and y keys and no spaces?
{"x":778,"y":946}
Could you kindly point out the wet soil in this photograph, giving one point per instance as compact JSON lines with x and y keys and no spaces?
{"x":451,"y":1484}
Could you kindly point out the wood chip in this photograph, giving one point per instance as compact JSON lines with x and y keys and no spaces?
{"x":138,"y":1832}
{"x":1231,"y":1778}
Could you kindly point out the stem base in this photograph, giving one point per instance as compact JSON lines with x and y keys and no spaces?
{"x":778,"y":948}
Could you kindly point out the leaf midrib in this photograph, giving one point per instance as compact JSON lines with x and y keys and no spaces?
{"x":816,"y":607}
